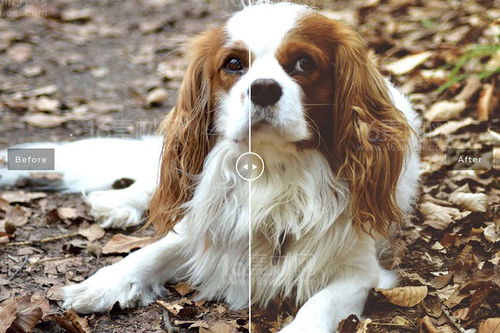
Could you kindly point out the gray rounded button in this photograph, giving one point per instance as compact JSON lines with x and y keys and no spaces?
{"x":250,"y":166}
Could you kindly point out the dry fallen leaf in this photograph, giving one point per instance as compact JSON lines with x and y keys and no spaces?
{"x":92,"y":233}
{"x":198,"y":324}
{"x":67,"y":213}
{"x":408,"y":63}
{"x":83,"y":14}
{"x":472,"y":84}
{"x":183,"y":288}
{"x":460,"y":314}
{"x":445,"y":110}
{"x":426,"y":326}
{"x":20,"y":52}
{"x":4,"y":204}
{"x":495,"y":260}
{"x":46,"y":177}
{"x":156,"y":97}
{"x":55,"y":293}
{"x":27,"y":318}
{"x":446,"y":292}
{"x":434,"y":76}
{"x":220,"y":309}
{"x":7,"y":314}
{"x":490,"y":325}
{"x":17,"y":215}
{"x":103,"y":107}
{"x":21,"y":314}
{"x":451,"y":127}
{"x":492,"y":232}
{"x":404,"y":296}
{"x":173,"y":308}
{"x":170,"y":70}
{"x":42,"y":91}
{"x":479,"y":298}
{"x":70,"y":321}
{"x":33,"y":71}
{"x":219,"y":328}
{"x":432,"y":307}
{"x":45,"y":104}
{"x":485,"y":103}
{"x":475,"y":202}
{"x":151,"y":26}
{"x":436,"y":216}
{"x":44,"y":120}
{"x":40,"y":301}
{"x":21,"y":196}
{"x":456,"y":298}
{"x":441,"y":281}
{"x":120,"y":243}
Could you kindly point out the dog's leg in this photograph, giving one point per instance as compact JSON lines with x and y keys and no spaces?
{"x":91,"y":166}
{"x":121,"y":208}
{"x":346,"y":295}
{"x":136,"y":280}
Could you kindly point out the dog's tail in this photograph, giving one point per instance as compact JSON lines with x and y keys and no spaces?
{"x":89,"y":164}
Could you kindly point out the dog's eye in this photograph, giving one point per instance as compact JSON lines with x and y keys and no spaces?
{"x":233,"y":65}
{"x":304,"y":65}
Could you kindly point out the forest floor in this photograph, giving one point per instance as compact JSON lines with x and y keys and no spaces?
{"x":76,"y":69}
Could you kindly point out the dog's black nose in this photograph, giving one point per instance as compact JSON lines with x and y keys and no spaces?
{"x":265,"y":92}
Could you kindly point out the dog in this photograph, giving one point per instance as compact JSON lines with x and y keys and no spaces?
{"x":339,"y":154}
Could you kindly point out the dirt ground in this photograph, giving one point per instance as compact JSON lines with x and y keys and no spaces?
{"x":72,"y":69}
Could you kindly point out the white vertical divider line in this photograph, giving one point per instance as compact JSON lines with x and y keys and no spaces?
{"x":249,"y":194}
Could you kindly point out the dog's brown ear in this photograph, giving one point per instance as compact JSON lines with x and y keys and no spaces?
{"x":187,"y":138}
{"x":370,"y":135}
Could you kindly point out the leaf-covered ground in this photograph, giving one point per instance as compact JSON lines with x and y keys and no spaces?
{"x":71,"y":69}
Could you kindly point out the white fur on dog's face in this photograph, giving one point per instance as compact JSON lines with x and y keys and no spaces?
{"x":261,"y":30}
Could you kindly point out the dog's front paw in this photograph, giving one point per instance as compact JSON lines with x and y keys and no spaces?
{"x":106,"y":287}
{"x":115,"y":208}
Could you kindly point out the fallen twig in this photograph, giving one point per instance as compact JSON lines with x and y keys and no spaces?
{"x":19,"y":269}
{"x":42,"y":241}
{"x":13,"y":258}
{"x":407,"y":327}
{"x":45,"y":260}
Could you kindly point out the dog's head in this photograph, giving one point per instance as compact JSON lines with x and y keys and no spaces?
{"x":288,"y":69}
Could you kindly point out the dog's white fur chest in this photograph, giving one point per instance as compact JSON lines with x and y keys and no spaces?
{"x":299,"y":210}
{"x":295,"y":210}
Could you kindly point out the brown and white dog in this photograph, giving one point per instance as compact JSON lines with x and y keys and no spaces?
{"x":339,"y":144}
